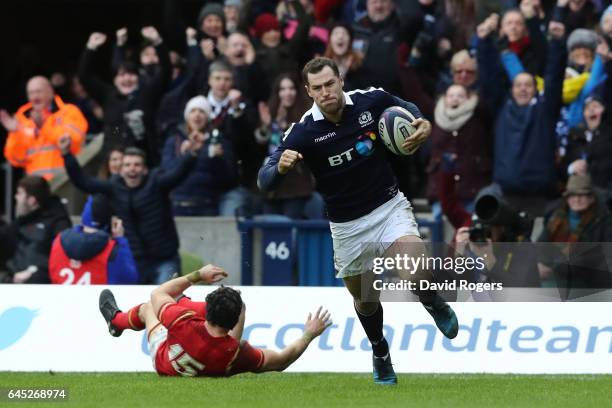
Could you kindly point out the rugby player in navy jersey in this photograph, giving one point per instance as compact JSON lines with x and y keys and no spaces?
{"x":338,"y":140}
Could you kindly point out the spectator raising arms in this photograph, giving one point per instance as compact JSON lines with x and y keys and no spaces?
{"x":36,"y":128}
{"x":130,"y":104}
{"x":141,"y":200}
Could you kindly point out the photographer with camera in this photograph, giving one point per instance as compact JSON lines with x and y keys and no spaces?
{"x":500,"y":236}
{"x":582,"y":221}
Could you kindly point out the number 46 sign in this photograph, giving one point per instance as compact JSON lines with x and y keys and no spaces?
{"x":277,"y":265}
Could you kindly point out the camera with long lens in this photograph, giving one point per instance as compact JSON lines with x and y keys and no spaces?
{"x":491,"y":209}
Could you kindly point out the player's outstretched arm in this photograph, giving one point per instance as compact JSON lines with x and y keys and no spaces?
{"x":236,"y":332}
{"x":169,"y":291}
{"x":278,"y":361}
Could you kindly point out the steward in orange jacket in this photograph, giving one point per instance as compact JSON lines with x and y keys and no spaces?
{"x":36,"y":128}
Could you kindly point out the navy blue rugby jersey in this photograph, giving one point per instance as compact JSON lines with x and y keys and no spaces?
{"x":348,"y":159}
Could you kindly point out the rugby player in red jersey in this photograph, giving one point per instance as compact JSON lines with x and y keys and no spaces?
{"x":189,"y":338}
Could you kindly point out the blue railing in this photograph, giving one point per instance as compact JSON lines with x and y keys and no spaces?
{"x":296,"y":252}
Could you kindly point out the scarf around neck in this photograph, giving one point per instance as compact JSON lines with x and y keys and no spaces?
{"x":216,"y":106}
{"x":453,"y":119}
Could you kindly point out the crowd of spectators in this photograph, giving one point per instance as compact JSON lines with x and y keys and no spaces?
{"x":517,"y":92}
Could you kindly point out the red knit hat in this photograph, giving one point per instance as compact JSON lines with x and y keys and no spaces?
{"x":264,"y":23}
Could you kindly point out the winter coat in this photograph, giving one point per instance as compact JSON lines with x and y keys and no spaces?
{"x":525,"y":142}
{"x":128,"y":119}
{"x":36,"y":149}
{"x":210,"y":178}
{"x":81,"y":246}
{"x":146,"y":210}
{"x":27,"y":240}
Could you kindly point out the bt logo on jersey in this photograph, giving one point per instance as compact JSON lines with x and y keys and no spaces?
{"x":341,"y":158}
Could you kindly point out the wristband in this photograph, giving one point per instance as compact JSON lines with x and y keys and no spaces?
{"x":307,"y":337}
{"x":194,"y":277}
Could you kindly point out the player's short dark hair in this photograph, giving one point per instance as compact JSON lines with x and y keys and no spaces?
{"x":127,"y":66}
{"x":220,"y":66}
{"x":36,"y":187}
{"x":223,"y":307}
{"x":135,"y":151}
{"x":316,"y":65}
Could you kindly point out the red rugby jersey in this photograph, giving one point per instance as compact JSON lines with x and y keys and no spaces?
{"x":191,"y":351}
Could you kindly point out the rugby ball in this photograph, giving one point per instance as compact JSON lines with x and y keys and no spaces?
{"x":394,"y":126}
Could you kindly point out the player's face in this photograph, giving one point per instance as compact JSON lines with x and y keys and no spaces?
{"x":197,"y":119}
{"x":339,"y":41}
{"x":523,"y":89}
{"x":24,"y":204}
{"x":580,"y":202}
{"x":114,"y":162}
{"x":513,"y":26}
{"x":325,"y":88}
{"x":220,"y":83}
{"x":148,"y":56}
{"x":465,"y":73}
{"x":40,"y":93}
{"x":455,"y":96}
{"x":593,"y":112}
{"x":126,"y":82}
{"x":212,"y":25}
{"x":379,"y":10}
{"x":287,"y":93}
{"x":133,"y":170}
{"x":582,"y":56}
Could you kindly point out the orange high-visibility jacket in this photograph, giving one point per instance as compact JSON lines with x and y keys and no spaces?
{"x":36,"y":149}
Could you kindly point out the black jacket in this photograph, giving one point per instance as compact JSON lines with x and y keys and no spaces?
{"x":27,"y":240}
{"x":129,"y":120}
{"x":146,"y":211}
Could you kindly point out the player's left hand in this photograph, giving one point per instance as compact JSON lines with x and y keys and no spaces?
{"x":423,"y":130}
{"x":316,"y":325}
{"x":212,"y":274}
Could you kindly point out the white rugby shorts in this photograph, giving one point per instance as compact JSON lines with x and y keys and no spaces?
{"x":159,"y":335}
{"x":358,"y":242}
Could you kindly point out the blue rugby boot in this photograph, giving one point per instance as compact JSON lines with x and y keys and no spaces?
{"x":383,"y":370}
{"x":444,"y":316}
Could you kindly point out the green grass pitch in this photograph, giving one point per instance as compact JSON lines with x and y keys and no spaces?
{"x":315,"y":390}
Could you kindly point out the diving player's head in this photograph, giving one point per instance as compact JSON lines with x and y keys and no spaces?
{"x":223,"y":307}
{"x":324,"y":85}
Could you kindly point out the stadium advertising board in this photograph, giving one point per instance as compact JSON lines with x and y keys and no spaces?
{"x":60,"y":328}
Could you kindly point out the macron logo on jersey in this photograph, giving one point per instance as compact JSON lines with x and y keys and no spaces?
{"x":327,"y":136}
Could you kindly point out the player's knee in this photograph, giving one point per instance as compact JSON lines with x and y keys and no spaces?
{"x":366,"y":308}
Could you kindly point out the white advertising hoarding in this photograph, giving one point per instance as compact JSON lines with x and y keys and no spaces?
{"x":59,"y":328}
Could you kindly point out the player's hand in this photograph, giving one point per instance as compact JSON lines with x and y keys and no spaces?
{"x":264,"y":114}
{"x":122,"y":36}
{"x":315,"y":325}
{"x":117,"y":229}
{"x":423,"y":130}
{"x":96,"y":40}
{"x":207,"y":47}
{"x":64,"y":143}
{"x":22,"y":276}
{"x":488,"y":26}
{"x":150,"y":33}
{"x":212,"y":274}
{"x":556,"y":30}
{"x":485,"y":252}
{"x":234,"y":96}
{"x":580,"y":167}
{"x":462,"y":238}
{"x":9,"y":122}
{"x":288,"y":160}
